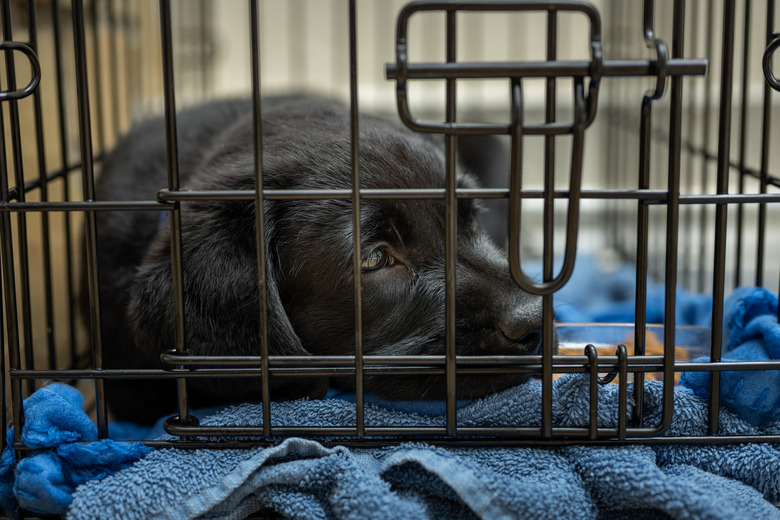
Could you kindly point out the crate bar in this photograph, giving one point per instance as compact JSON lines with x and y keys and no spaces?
{"x":765,"y":152}
{"x":705,"y":145}
{"x":100,"y":120}
{"x":88,"y":186}
{"x":593,"y":391}
{"x":173,"y":185}
{"x":65,"y":160}
{"x":649,"y":195}
{"x":259,"y":215}
{"x":672,"y":217}
{"x":451,"y":237}
{"x":113,"y":50}
{"x":515,"y":216}
{"x":480,"y":442}
{"x":86,"y":206}
{"x":721,"y":211}
{"x":643,"y":217}
{"x":622,"y":355}
{"x":357,"y":255}
{"x":470,"y":435}
{"x":548,"y":234}
{"x":743,"y":131}
{"x":688,"y":213}
{"x":289,"y":366}
{"x":543,"y":69}
{"x":642,"y":248}
{"x":515,"y":193}
{"x":44,"y":193}
{"x":3,"y":367}
{"x":9,"y":292}
{"x":18,"y":163}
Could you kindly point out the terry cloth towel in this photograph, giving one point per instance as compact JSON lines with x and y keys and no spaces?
{"x":55,"y":426}
{"x":751,"y":333}
{"x":301,"y":479}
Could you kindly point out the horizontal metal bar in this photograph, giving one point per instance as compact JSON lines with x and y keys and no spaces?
{"x":128,"y":205}
{"x":380,"y":437}
{"x":569,"y":364}
{"x":657,"y":196}
{"x":543,"y":69}
{"x":466,"y":442}
{"x":500,"y":5}
{"x":166,"y":202}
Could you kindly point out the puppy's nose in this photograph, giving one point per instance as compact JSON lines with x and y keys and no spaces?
{"x":522,"y":326}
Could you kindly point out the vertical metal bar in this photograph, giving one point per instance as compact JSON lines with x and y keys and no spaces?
{"x":98,"y":77}
{"x":9,"y":287}
{"x":115,"y":34}
{"x":515,"y":214}
{"x":622,"y":355}
{"x":451,"y":144}
{"x":65,"y":160}
{"x":172,"y":148}
{"x":642,"y":251}
{"x":688,"y":212}
{"x":44,"y":193}
{"x":765,"y":152}
{"x":742,"y":143}
{"x":593,"y":391}
{"x":672,"y":214}
{"x":21,"y":219}
{"x":88,"y":184}
{"x":206,"y":18}
{"x":721,"y":211}
{"x":609,"y":149}
{"x":705,"y":142}
{"x":297,"y":43}
{"x":643,"y":217}
{"x":548,"y":251}
{"x":259,"y":216}
{"x":549,"y":149}
{"x":356,"y":248}
{"x":6,"y":347}
{"x":134,"y":21}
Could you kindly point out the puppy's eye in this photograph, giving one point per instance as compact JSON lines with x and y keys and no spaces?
{"x":377,"y":259}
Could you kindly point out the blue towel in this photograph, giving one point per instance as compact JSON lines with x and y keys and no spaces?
{"x":302,"y":479}
{"x":43,"y":482}
{"x":751,"y":333}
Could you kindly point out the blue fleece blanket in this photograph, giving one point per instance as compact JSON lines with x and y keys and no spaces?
{"x":751,"y":332}
{"x":302,"y":479}
{"x":606,"y":294}
{"x":56,"y":428}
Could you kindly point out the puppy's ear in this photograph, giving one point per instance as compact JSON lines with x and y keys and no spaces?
{"x":221,"y":309}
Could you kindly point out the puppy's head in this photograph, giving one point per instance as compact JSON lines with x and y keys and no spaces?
{"x":310,"y":249}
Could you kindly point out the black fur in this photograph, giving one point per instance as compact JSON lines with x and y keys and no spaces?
{"x":309,"y":257}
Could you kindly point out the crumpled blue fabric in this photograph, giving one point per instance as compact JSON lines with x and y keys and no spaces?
{"x":751,"y":333}
{"x":607,"y":294}
{"x":55,"y":425}
{"x":302,"y":479}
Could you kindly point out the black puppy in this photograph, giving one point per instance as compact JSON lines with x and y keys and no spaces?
{"x":306,"y":145}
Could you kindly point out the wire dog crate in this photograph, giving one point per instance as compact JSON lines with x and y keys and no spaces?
{"x":654,"y":122}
